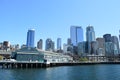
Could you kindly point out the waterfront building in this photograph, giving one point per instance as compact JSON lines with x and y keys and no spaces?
{"x":40,"y":44}
{"x":90,"y":36}
{"x":68,"y":41}
{"x":115,"y":42}
{"x":76,"y":35}
{"x":35,"y":55}
{"x":101,"y":46}
{"x":30,"y":38}
{"x":59,"y":43}
{"x":107,"y":37}
{"x":50,"y":46}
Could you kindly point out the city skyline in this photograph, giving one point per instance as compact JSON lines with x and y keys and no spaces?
{"x":55,"y":19}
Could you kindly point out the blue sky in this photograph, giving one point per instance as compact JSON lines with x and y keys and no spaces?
{"x":53,"y":18}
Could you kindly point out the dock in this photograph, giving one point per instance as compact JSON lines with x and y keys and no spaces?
{"x":26,"y":64}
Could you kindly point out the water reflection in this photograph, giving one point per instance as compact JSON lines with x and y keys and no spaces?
{"x":87,"y":72}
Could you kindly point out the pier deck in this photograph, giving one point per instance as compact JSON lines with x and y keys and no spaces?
{"x":26,"y":64}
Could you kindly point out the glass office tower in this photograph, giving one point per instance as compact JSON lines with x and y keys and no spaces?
{"x":58,"y":43}
{"x":76,"y":35}
{"x":30,"y":38}
{"x":90,"y":34}
{"x":90,"y":37}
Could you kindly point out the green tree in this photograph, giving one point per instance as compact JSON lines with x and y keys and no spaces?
{"x":1,"y":57}
{"x":83,"y":59}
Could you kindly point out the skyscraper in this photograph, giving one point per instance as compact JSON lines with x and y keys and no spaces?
{"x":90,"y":36}
{"x":101,"y":46}
{"x":50,"y":45}
{"x":68,"y":41}
{"x":115,"y":42}
{"x":76,"y":35}
{"x":30,"y":38}
{"x":40,"y":44}
{"x":119,"y":35}
{"x":58,"y":43}
{"x":107,"y":37}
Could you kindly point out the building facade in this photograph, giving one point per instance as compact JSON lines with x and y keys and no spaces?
{"x":119,"y":35}
{"x":59,"y":42}
{"x":101,"y":46}
{"x":82,"y":48}
{"x":50,"y":45}
{"x":67,"y":49}
{"x":76,"y":35}
{"x":90,"y":36}
{"x":40,"y":44}
{"x":35,"y":55}
{"x":30,"y":38}
{"x":115,"y":42}
{"x":107,"y":37}
{"x":94,"y":47}
{"x":68,"y":41}
{"x":109,"y":49}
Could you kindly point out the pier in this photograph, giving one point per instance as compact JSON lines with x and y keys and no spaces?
{"x":20,"y":64}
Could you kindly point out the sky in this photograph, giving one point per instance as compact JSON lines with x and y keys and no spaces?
{"x":53,"y":18}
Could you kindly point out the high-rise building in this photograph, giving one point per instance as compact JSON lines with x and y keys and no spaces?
{"x":115,"y":42}
{"x":40,"y":44}
{"x":109,"y":49}
{"x":90,"y":36}
{"x":82,"y":49}
{"x":101,"y":46}
{"x":30,"y":38}
{"x":67,"y":49}
{"x":94,"y":47}
{"x":58,"y":43}
{"x":76,"y":35}
{"x":68,"y":41}
{"x":50,"y":45}
{"x":107,"y":37}
{"x":119,"y":34}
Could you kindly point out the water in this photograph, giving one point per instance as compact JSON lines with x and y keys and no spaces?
{"x":82,"y":72}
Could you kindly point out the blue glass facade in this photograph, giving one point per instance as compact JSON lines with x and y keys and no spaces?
{"x":90,"y":34}
{"x":59,"y":43}
{"x":76,"y":35}
{"x":30,"y":38}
